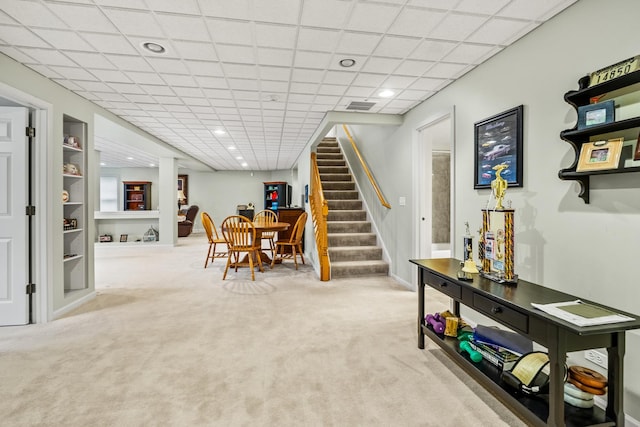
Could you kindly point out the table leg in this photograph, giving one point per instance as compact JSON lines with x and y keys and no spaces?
{"x":420,"y":308}
{"x":557,"y":356}
{"x":616,"y":380}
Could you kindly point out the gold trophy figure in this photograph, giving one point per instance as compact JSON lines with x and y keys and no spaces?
{"x":469,"y":265}
{"x":499,"y":186}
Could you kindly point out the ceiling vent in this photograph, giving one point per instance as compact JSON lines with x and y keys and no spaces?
{"x":360,"y":106}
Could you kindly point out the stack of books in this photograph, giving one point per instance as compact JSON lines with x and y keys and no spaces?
{"x":498,"y":356}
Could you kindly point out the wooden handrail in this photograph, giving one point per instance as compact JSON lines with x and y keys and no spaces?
{"x":319,"y":214}
{"x":366,"y":170}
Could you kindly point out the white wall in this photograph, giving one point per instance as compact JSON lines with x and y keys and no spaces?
{"x":584,"y":249}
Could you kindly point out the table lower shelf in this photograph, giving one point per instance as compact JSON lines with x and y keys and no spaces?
{"x":533,"y":409}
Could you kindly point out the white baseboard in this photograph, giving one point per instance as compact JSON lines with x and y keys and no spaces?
{"x":71,"y":306}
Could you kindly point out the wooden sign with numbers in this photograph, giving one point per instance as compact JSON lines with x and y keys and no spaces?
{"x":614,"y":71}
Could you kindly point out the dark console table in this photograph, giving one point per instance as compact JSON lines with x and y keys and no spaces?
{"x":510,"y":305}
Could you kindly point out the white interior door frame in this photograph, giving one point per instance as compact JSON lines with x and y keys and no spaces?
{"x":422,"y":183}
{"x":40,"y":112}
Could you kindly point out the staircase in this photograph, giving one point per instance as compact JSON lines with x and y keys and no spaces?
{"x":353,"y":249}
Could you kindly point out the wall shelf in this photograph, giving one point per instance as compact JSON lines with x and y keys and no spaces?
{"x":628,"y":128}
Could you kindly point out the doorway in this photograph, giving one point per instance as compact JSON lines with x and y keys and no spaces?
{"x":434,"y":190}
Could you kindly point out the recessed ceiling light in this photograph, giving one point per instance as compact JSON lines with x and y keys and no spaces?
{"x":347,"y":62}
{"x":151,"y":164}
{"x":103,"y":164}
{"x":386,"y":93}
{"x":219,"y":132}
{"x":239,"y":158}
{"x":231,"y":148}
{"x":129,"y":158}
{"x":244,"y":164}
{"x":154,"y":47}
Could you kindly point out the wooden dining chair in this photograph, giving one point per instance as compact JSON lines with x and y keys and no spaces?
{"x":267,"y":216}
{"x":294,"y":243}
{"x":240,"y":235}
{"x":214,"y":239}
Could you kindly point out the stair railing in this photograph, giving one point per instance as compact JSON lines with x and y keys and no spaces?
{"x":319,"y":214}
{"x":372,"y":180}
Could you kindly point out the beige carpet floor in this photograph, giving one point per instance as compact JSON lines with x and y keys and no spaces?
{"x":168,"y":343}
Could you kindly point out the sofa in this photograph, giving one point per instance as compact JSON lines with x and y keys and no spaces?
{"x":185,"y":227}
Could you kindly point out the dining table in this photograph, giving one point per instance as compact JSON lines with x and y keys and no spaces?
{"x":262,"y":227}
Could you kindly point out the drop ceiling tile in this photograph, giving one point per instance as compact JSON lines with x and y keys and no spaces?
{"x":357,"y":43}
{"x":301,"y":97}
{"x":275,"y":57}
{"x":83,"y":18}
{"x":457,"y":26}
{"x":412,"y":67}
{"x":322,"y":40}
{"x":271,"y":86}
{"x":307,"y":75}
{"x":274,"y":73}
{"x":46,"y":71}
{"x":375,"y":18}
{"x":434,"y":4}
{"x":183,"y":27}
{"x":325,"y":13}
{"x":129,"y":62}
{"x":63,"y":39}
{"x":136,"y":23}
{"x":446,"y":70}
{"x":283,"y":11}
{"x":75,"y":87}
{"x":243,"y":84}
{"x":129,"y":4}
{"x":249,"y":106}
{"x":380,"y":65}
{"x":231,"y":32}
{"x":162,"y":65}
{"x":339,"y":77}
{"x":271,"y":35}
{"x":398,"y":82}
{"x":204,"y":68}
{"x":333,"y":89}
{"x":74,"y":73}
{"x":32,"y":13}
{"x":110,"y":43}
{"x":93,"y":86}
{"x":244,"y":94}
{"x":126,"y":88}
{"x":47,"y":56}
{"x":500,"y":31}
{"x":359,"y":92}
{"x":432,"y":50}
{"x":90,"y":59}
{"x":312,"y":60}
{"x":16,"y":54}
{"x":110,"y":76}
{"x":19,"y":37}
{"x":157,"y":89}
{"x":195,"y":50}
{"x":468,"y":53}
{"x":189,"y":7}
{"x":426,"y":83}
{"x":412,"y":95}
{"x":144,"y":99}
{"x":236,"y":9}
{"x":416,"y":22}
{"x":145,"y":78}
{"x":486,"y":7}
{"x":368,"y":79}
{"x":242,"y":71}
{"x":239,"y":54}
{"x":396,"y":46}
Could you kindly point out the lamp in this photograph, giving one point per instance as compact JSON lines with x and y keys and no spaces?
{"x":181,"y":197}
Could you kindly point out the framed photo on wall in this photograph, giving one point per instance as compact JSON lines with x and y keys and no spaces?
{"x":498,"y":140}
{"x":183,"y":185}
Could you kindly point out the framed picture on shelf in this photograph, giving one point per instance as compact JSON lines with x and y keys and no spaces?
{"x":183,"y":185}
{"x":498,"y":140}
{"x":600,"y":155}
{"x":636,"y":155}
{"x":596,"y":114}
{"x":124,"y":237}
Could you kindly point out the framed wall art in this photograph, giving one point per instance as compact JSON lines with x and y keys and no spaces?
{"x":596,"y":114}
{"x":498,"y":140}
{"x":600,"y":155}
{"x":183,"y":185}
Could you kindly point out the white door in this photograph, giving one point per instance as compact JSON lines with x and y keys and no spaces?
{"x":14,"y":307}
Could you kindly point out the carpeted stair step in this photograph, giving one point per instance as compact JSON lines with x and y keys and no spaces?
{"x":347,"y":215}
{"x":341,"y":194}
{"x":330,"y":162}
{"x":355,"y":253}
{"x":350,"y":205}
{"x":348,"y":227}
{"x":335,"y":177}
{"x":338,"y":185}
{"x":329,"y":156}
{"x":359,"y":268}
{"x":351,"y":239}
{"x":324,"y":170}
{"x":323,"y":149}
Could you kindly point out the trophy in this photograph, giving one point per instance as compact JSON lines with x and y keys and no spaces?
{"x":469,"y":265}
{"x":496,"y":237}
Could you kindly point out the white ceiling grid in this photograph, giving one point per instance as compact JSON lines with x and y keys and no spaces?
{"x":264,"y":71}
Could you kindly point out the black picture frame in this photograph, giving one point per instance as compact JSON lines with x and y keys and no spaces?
{"x":183,"y":184}
{"x":498,"y":140}
{"x":597,"y":114}
{"x":124,"y":237}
